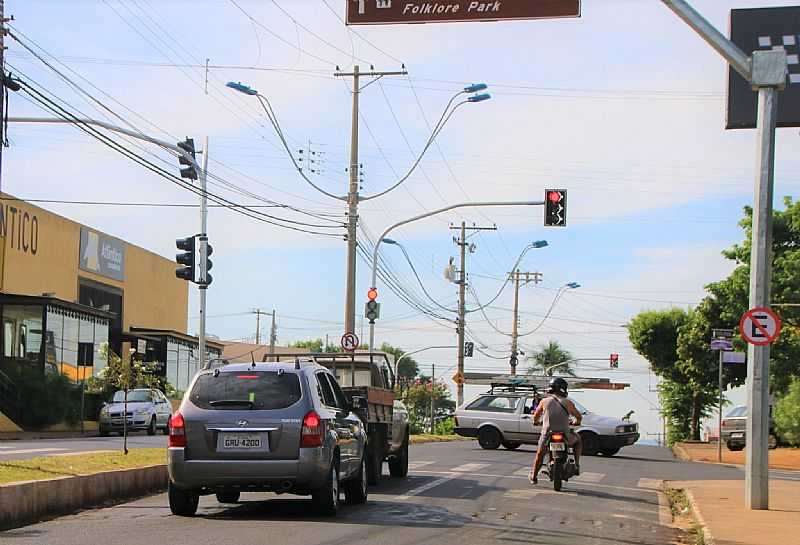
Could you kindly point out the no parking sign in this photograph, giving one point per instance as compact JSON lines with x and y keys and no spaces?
{"x":760,"y":326}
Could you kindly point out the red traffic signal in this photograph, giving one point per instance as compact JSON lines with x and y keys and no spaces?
{"x":614,"y":360}
{"x":555,"y":208}
{"x":372,"y":294}
{"x":554,"y":196}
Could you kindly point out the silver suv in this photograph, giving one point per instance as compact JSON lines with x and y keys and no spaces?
{"x":279,"y":427}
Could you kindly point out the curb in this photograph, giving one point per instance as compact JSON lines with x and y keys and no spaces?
{"x":681,"y":453}
{"x":708,"y":539}
{"x":30,"y":501}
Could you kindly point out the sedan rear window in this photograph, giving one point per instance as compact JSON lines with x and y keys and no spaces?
{"x":246,"y":390}
{"x":737,"y":411}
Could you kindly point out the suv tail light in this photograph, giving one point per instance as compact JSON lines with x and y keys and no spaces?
{"x":311,"y":434}
{"x":177,"y":431}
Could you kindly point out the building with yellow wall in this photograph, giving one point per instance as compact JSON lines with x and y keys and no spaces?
{"x":66,"y":289}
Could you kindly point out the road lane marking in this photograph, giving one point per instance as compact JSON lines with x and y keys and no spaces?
{"x":530,"y":493}
{"x":468,"y":468}
{"x":419,"y":464}
{"x":650,"y":484}
{"x":588,"y":477}
{"x":524,"y":472}
{"x":423,"y":488}
{"x":495,"y":476}
{"x":31,"y":451}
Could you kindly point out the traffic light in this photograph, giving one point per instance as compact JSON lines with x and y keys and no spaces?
{"x":205,"y":277}
{"x":187,"y":259}
{"x":555,"y":207}
{"x":469,"y":349}
{"x":190,"y":171}
{"x":614,"y":361}
{"x":373,"y":308}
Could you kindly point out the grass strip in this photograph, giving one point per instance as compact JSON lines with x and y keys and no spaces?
{"x":50,"y":467}
{"x":428,"y":438}
{"x":684,"y":516}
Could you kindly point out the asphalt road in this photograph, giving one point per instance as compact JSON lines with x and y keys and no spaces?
{"x":22,"y":449}
{"x":456,"y":494}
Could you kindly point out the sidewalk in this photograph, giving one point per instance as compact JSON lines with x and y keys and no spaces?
{"x":719,"y":506}
{"x":780,"y":458}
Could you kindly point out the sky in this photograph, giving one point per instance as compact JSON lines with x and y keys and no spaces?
{"x":624,"y":107}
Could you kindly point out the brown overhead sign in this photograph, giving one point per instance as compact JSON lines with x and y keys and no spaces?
{"x":378,"y":12}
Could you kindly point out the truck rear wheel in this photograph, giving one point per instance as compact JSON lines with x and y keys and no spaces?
{"x":398,"y":466}
{"x":375,"y":459}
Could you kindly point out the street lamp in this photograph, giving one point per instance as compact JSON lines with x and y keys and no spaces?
{"x":353,"y":198}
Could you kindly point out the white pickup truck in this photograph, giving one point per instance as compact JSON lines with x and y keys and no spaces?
{"x":505,"y":418}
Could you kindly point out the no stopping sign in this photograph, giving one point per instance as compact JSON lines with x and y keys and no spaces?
{"x":760,"y":326}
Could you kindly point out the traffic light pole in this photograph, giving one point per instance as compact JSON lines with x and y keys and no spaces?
{"x":203,"y":175}
{"x":423,"y":216}
{"x":767,"y":72}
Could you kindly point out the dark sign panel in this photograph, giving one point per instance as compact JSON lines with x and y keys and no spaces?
{"x":765,"y":29}
{"x":102,"y":255}
{"x":378,"y":12}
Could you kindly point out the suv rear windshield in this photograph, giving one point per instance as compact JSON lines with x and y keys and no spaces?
{"x":246,"y":390}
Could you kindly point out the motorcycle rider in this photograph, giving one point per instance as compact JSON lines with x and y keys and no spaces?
{"x":555,"y":411}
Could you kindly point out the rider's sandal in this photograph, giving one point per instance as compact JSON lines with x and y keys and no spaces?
{"x":532,"y":479}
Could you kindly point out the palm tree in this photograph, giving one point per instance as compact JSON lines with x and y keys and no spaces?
{"x":546,"y":359}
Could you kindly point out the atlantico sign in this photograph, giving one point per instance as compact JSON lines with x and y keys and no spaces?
{"x":376,"y":12}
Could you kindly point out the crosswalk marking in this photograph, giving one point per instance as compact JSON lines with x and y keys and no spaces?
{"x":587,"y":477}
{"x":469,"y":468}
{"x":530,"y":493}
{"x":427,"y":486}
{"x":522,"y":472}
{"x":419,"y":464}
{"x":652,"y":484}
{"x":31,"y":451}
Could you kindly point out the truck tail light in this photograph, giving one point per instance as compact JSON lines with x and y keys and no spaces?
{"x":177,"y":431}
{"x":311,"y":434}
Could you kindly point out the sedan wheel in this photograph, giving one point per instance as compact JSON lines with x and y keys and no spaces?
{"x":151,"y":429}
{"x":772,"y":441}
{"x":489,"y":438}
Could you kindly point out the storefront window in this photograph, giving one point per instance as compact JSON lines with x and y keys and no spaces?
{"x":172,"y":365}
{"x":22,"y":332}
{"x":53,"y":355}
{"x":85,"y":347}
{"x":100,"y":339}
{"x":69,"y":361}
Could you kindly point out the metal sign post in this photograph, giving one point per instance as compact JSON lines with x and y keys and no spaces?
{"x":767,"y":72}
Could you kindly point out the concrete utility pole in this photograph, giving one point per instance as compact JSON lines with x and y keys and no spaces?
{"x":352,"y":195}
{"x":516,"y":276}
{"x":433,"y":391}
{"x":258,"y":312}
{"x":2,"y":81}
{"x":273,"y":335}
{"x":461,"y":241}
{"x":767,"y":72}
{"x":201,"y":340}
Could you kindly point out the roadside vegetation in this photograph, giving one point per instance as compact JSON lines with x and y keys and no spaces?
{"x":691,"y":531}
{"x":676,"y":341}
{"x":51,"y":467}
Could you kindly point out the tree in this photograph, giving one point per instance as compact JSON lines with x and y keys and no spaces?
{"x":733,"y":292}
{"x":547,"y":359}
{"x":407,"y":370}
{"x":417,"y":398}
{"x":125,"y":376}
{"x":787,"y":414}
{"x":316,"y":345}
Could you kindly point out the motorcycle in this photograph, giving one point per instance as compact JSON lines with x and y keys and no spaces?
{"x":561,"y":460}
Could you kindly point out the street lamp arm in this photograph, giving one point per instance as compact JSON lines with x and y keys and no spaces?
{"x":264,"y":101}
{"x":439,"y":126}
{"x":407,"y":354}
{"x":737,"y":58}
{"x":114,"y":128}
{"x":433,"y":213}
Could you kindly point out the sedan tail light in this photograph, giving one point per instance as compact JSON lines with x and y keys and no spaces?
{"x":177,"y":431}
{"x":311,"y":434}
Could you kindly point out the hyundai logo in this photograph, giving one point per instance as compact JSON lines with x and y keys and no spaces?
{"x":242,"y":423}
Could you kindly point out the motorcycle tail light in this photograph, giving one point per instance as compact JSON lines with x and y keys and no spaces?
{"x":557,"y":437}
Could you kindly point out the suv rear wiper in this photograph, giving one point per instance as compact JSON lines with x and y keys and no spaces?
{"x":226,"y":402}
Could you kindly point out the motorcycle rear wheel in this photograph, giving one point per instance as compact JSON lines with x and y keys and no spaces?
{"x":557,"y":472}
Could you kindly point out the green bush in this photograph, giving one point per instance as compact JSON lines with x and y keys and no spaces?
{"x":48,"y":399}
{"x":445,"y":427}
{"x":787,"y":415}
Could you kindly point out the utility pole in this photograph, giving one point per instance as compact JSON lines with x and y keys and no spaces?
{"x":201,"y":340}
{"x":273,"y":335}
{"x":258,"y":312}
{"x":516,"y":276}
{"x":433,"y":391}
{"x":2,"y":81}
{"x":461,"y":241}
{"x":352,"y":195}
